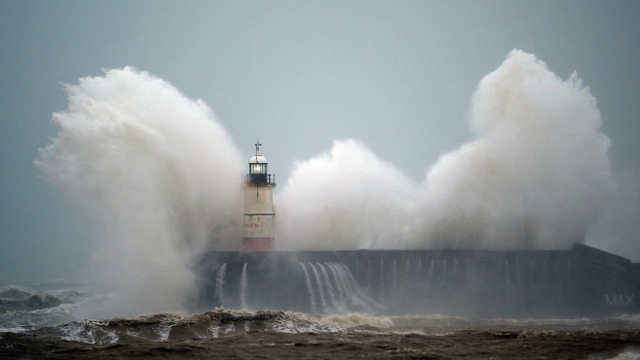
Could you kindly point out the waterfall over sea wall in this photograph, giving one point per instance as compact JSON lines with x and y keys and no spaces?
{"x":578,"y":282}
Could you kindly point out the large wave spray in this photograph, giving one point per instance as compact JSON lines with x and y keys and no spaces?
{"x":344,"y":200}
{"x":158,"y":179}
{"x":535,"y":177}
{"x":154,"y":175}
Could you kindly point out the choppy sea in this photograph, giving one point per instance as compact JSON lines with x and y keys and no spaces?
{"x":45,"y":321}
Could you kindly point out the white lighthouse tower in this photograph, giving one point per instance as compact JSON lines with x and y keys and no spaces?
{"x":257,"y":228}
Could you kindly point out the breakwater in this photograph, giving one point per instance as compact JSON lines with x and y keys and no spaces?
{"x":583,"y":281}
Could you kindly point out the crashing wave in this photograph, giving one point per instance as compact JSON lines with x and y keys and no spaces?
{"x":164,"y":327}
{"x":23,"y":309}
{"x":29,"y":303}
{"x":14,"y":292}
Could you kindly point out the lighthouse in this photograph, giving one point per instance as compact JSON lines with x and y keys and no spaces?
{"x":257,"y":227}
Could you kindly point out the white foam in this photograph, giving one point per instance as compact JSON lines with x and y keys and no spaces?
{"x":357,"y":319}
{"x":216,"y":330}
{"x":155,"y":176}
{"x":290,"y":324}
{"x":536,"y":176}
{"x":629,"y":354}
{"x":87,"y":331}
{"x":164,"y":330}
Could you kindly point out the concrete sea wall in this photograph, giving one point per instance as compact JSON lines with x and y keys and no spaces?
{"x":579,"y":282}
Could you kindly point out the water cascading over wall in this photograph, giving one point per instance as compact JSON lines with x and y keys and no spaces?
{"x":578,"y":282}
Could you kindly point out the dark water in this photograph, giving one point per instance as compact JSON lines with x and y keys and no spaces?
{"x":37,"y":323}
{"x":229,"y":334}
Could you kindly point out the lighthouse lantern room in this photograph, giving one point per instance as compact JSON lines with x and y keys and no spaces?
{"x":257,"y":227}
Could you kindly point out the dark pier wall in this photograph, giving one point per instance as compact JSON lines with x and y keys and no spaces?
{"x":580,"y":282}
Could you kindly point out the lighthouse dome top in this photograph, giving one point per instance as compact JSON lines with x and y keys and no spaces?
{"x":258,"y":173}
{"x":258,"y":158}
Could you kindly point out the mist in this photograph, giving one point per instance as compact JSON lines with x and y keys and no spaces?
{"x":346,"y":199}
{"x":616,"y":230}
{"x":157,"y":179}
{"x":536,"y":176}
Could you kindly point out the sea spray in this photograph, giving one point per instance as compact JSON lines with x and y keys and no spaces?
{"x":341,"y":283}
{"x":156,"y":178}
{"x":318,"y":280}
{"x":312,"y":300}
{"x":243,"y":287}
{"x":219,"y":294}
{"x":536,"y":176}
{"x":336,"y":280}
{"x":346,"y":199}
{"x":328,"y":285}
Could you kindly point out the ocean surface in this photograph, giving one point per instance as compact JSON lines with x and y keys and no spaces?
{"x":46,"y":321}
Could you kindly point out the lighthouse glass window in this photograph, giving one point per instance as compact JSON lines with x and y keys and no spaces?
{"x":258,"y":168}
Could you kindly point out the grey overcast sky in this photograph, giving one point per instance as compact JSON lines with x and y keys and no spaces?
{"x":397,"y":75}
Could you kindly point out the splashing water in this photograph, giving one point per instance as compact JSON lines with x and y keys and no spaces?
{"x":219,"y":295}
{"x":535,"y":177}
{"x":312,"y":301}
{"x":156,"y":178}
{"x":243,"y":287}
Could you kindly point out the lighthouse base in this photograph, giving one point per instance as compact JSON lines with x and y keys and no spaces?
{"x":258,"y":244}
